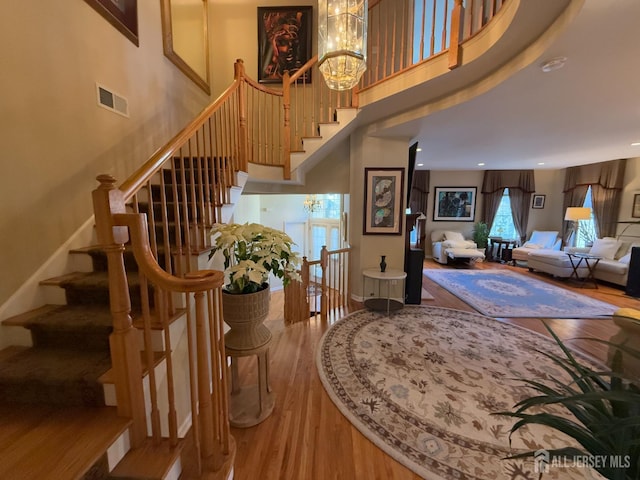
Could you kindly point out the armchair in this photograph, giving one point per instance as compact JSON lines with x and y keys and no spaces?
{"x":446,"y":245}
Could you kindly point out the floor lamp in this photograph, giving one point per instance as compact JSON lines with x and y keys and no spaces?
{"x":573,"y":214}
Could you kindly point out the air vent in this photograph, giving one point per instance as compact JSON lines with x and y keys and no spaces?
{"x":112,"y":101}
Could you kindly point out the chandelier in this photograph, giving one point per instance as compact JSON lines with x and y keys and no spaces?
{"x":342,"y":42}
{"x":311,"y":204}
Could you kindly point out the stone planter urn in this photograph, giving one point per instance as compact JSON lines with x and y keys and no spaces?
{"x":244,"y":314}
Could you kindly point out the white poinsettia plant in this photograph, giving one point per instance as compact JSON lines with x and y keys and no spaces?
{"x":252,"y":251}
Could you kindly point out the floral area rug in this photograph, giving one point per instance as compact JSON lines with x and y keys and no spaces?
{"x":500,"y":293}
{"x":422,"y":384}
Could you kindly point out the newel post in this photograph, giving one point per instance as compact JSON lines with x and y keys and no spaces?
{"x":125,"y":352}
{"x":457,"y":19}
{"x":286,"y":128}
{"x":243,"y":160}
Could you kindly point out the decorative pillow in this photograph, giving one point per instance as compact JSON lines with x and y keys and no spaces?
{"x":625,"y":259}
{"x":605,"y":248}
{"x":455,"y":236}
{"x":546,"y":239}
{"x":623,"y":249}
{"x":530,"y":244}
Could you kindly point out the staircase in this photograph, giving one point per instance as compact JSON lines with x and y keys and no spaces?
{"x":57,"y":398}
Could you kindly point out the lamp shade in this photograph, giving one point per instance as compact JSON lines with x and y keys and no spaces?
{"x":577,"y":213}
{"x":342,"y":42}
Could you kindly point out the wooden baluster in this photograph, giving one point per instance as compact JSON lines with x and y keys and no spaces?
{"x":324,"y":262}
{"x":286,"y":130}
{"x":205,"y":414}
{"x":163,"y":299}
{"x":443,"y":45}
{"x":193,"y":385}
{"x":176,"y":216}
{"x":224,"y":394}
{"x":123,"y":342}
{"x":148,"y":351}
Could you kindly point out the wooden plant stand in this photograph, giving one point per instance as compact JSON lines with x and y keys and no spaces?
{"x":250,"y":404}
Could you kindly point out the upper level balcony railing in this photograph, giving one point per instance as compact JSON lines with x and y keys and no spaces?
{"x":404,"y":33}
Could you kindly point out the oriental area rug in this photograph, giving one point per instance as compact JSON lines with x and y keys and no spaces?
{"x":501,"y":293}
{"x":423,"y":382}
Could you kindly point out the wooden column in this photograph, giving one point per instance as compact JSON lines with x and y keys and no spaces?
{"x":457,"y":20}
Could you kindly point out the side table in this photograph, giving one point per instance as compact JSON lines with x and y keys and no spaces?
{"x":496,"y":247}
{"x":590,"y":261}
{"x":388,"y":277}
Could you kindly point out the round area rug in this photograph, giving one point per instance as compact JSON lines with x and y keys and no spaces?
{"x":422,"y":384}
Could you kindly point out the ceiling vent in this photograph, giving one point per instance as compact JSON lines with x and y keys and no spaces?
{"x":112,"y":101}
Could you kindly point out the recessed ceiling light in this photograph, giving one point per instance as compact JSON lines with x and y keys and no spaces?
{"x":553,"y":64}
{"x":421,"y":164}
{"x":540,"y":163}
{"x":635,"y":144}
{"x":418,"y":149}
{"x":481,"y":164}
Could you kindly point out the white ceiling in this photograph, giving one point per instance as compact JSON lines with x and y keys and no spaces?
{"x":586,"y":112}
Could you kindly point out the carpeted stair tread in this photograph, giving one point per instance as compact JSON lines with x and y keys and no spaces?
{"x":81,"y":327}
{"x":54,"y":376}
{"x":92,"y":288}
{"x":70,"y":317}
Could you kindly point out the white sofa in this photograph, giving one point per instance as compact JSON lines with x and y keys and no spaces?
{"x":447,"y":244}
{"x":539,"y":240}
{"x":613,"y":265}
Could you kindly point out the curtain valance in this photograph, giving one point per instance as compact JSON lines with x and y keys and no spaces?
{"x":495,"y":180}
{"x":609,"y":175}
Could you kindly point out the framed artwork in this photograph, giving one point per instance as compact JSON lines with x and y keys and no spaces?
{"x":122,"y":14}
{"x":284,"y":42}
{"x":635,"y":210}
{"x":454,"y":204}
{"x":383,"y":189}
{"x":538,"y":201}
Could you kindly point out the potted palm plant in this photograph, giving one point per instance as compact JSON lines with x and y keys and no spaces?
{"x":602,"y":412}
{"x":251,"y":253}
{"x":480,"y":234}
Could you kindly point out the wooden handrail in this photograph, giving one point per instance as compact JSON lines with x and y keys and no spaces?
{"x":141,"y":176}
{"x":199,"y":281}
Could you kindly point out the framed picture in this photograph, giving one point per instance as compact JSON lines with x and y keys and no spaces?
{"x":284,"y":42}
{"x":122,"y":14}
{"x":538,"y":201}
{"x":454,"y":204}
{"x":635,"y":210}
{"x":383,"y":189}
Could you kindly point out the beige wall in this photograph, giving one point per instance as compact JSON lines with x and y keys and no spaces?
{"x":367,"y":151}
{"x":235,"y":35}
{"x":56,"y":138}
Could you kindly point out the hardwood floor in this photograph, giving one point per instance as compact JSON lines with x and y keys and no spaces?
{"x":306,"y":437}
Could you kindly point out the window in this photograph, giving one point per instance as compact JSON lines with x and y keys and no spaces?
{"x":586,"y":228}
{"x":503,"y":222}
{"x":325,"y":224}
